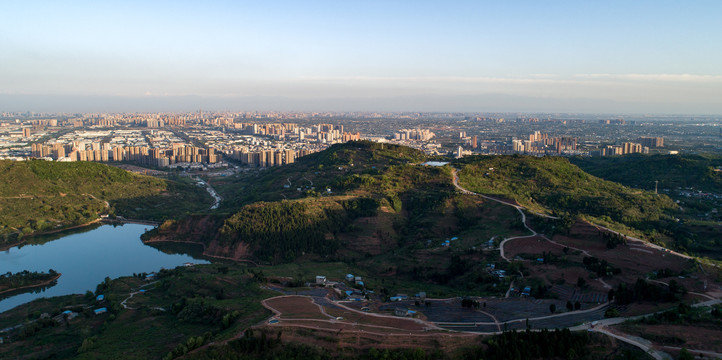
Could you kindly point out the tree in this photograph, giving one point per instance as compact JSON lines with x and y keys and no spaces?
{"x":684,"y":354}
{"x":570,"y":307}
{"x":552,"y":308}
{"x":610,"y":313}
{"x":577,"y":305}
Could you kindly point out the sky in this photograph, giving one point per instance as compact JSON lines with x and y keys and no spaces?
{"x":559,"y":56}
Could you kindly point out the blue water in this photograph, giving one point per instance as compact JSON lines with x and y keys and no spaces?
{"x":85,"y":259}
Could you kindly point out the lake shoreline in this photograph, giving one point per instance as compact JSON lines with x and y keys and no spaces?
{"x":85,"y":258}
{"x":34,"y":234}
{"x":44,"y":283}
{"x":96,"y":221}
{"x":187,"y":242}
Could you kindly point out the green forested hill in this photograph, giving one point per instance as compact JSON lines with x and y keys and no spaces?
{"x":672,"y":171}
{"x":37,"y":195}
{"x":414,"y":202}
{"x":555,"y":184}
{"x":338,"y":166}
{"x":699,"y":229}
{"x":370,"y":180}
{"x":288,"y":228}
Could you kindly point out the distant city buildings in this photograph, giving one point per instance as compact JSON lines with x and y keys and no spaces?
{"x":267,"y":158}
{"x":641,"y":147}
{"x":414,"y":134}
{"x":79,"y":151}
{"x":619,"y":121}
{"x":651,"y":142}
{"x":271,"y":138}
{"x":539,"y":143}
{"x":255,"y":144}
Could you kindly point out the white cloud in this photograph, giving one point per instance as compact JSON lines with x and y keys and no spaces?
{"x":655,"y":77}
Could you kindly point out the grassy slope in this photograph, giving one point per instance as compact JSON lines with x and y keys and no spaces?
{"x":40,"y":196}
{"x":672,"y":171}
{"x":319,"y":170}
{"x":553,"y":183}
{"x":702,"y":237}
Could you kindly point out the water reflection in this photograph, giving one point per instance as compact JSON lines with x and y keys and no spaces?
{"x":86,"y":256}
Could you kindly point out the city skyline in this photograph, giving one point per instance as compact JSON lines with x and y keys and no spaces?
{"x":612,"y":57}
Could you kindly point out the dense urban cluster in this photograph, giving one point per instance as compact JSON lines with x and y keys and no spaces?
{"x":208,"y":139}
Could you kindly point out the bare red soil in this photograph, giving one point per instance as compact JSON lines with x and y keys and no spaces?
{"x":635,"y":259}
{"x":296,"y":307}
{"x":533,"y":245}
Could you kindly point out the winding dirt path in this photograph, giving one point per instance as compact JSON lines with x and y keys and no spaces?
{"x":520,"y":209}
{"x":333,"y":320}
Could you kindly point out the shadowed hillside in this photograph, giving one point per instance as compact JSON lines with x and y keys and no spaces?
{"x":672,"y":171}
{"x":40,"y":196}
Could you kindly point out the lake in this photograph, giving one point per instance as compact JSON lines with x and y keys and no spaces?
{"x":86,"y":258}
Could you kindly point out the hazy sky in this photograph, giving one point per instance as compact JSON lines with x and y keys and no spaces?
{"x":592,"y":56}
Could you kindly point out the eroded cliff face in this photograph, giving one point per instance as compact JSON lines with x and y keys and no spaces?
{"x":202,"y":230}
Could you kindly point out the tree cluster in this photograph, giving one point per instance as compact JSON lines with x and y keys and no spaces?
{"x":24,"y":278}
{"x":646,"y":291}
{"x":601,"y":268}
{"x":543,"y":344}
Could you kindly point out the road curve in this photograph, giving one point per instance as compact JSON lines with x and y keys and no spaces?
{"x":455,"y":177}
{"x":659,"y":355}
{"x":520,"y":209}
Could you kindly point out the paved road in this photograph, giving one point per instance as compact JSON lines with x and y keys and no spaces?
{"x":641,"y":343}
{"x":711,"y":354}
{"x":646,"y":347}
{"x":563,"y":320}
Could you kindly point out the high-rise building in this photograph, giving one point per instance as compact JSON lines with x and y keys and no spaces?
{"x":118,"y":153}
{"x":278,"y":158}
{"x":290,"y":156}
{"x":612,"y":150}
{"x":517,"y":146}
{"x":651,"y":142}
{"x":631,"y":148}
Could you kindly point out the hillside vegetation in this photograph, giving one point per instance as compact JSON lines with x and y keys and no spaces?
{"x":366,"y":179}
{"x":385,"y":213}
{"x":699,"y":229}
{"x":390,"y":216}
{"x":672,"y":171}
{"x":340,"y":166}
{"x":554,"y":184}
{"x":181,"y":310}
{"x":24,"y":279}
{"x":40,"y":196}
